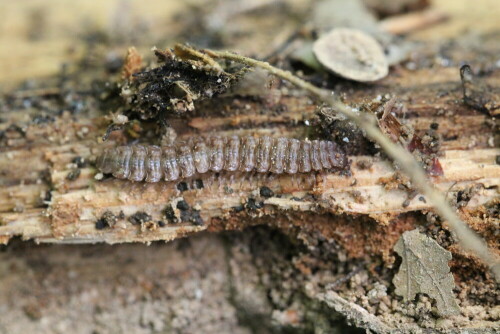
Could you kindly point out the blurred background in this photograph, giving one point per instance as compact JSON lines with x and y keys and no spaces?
{"x":37,"y":37}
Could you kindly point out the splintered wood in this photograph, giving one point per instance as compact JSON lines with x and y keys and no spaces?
{"x":42,"y":197}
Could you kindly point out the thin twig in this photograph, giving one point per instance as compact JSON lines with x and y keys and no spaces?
{"x":367,"y":122}
{"x":180,"y":48}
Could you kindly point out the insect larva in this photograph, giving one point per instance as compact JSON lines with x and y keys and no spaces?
{"x":200,"y":155}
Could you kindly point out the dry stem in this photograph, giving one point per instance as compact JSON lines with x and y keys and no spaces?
{"x":367,"y":122}
{"x":180,"y":48}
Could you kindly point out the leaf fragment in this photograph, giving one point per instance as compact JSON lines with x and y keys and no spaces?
{"x":425,"y":270}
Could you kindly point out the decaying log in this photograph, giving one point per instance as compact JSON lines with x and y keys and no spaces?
{"x":343,"y":226}
{"x":35,"y":170}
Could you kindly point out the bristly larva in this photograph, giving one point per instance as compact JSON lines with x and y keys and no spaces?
{"x":199,"y":155}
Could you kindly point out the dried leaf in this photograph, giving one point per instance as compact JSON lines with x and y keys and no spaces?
{"x":425,"y":270}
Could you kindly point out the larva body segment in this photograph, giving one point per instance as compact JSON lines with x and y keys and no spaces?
{"x":137,"y":161}
{"x":278,"y":156}
{"x":169,"y":164}
{"x":232,"y":154}
{"x":153,"y":164}
{"x":186,"y":162}
{"x":292,"y":164}
{"x":305,"y":157}
{"x":121,"y":162}
{"x":216,"y":153}
{"x":248,"y":147}
{"x":200,"y":155}
{"x":263,"y":152}
{"x":315,"y":153}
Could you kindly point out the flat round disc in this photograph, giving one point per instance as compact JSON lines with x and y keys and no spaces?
{"x":351,"y":54}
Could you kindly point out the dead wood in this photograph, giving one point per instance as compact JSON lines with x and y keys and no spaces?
{"x":340,"y":228}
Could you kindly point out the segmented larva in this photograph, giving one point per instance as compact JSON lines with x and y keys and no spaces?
{"x":200,"y":155}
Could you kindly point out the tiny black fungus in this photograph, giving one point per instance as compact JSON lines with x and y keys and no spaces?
{"x":254,"y":205}
{"x":182,"y":205}
{"x":434,"y":126}
{"x":182,"y":186}
{"x":139,"y":218}
{"x":101,"y":224}
{"x":170,"y":214}
{"x":461,"y":196}
{"x":422,"y":199}
{"x":108,"y":219}
{"x":198,"y":183}
{"x":161,"y":223}
{"x":238,"y":208}
{"x":79,"y":162}
{"x":73,"y":174}
{"x":196,"y":218}
{"x":266,"y":192}
{"x":192,"y":216}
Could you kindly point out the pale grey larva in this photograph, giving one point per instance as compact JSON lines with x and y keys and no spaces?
{"x":200,"y":155}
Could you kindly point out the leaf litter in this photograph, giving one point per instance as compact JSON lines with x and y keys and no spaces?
{"x":425,"y":270}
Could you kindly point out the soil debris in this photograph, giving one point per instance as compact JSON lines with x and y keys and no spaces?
{"x":424,"y":148}
{"x":477,"y":94}
{"x":173,"y":88}
{"x":169,"y":214}
{"x":266,"y":192}
{"x":108,"y":219}
{"x":140,"y":218}
{"x":73,"y":174}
